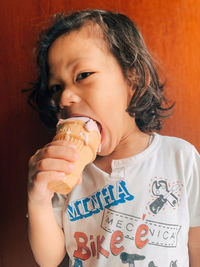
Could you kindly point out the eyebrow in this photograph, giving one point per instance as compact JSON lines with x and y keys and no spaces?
{"x":72,"y":62}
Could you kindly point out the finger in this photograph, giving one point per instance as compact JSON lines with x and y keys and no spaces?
{"x":39,"y":182}
{"x":61,"y":143}
{"x":34,"y":158}
{"x":66,"y":152}
{"x":60,"y":165}
{"x":44,"y":177}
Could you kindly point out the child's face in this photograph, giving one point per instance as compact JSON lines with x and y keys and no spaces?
{"x":92,"y":85}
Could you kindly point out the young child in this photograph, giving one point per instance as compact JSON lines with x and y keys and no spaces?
{"x":138,"y":203}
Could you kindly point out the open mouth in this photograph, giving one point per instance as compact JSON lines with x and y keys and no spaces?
{"x":101,"y":131}
{"x":99,"y":126}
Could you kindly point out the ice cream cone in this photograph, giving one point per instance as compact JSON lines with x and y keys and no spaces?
{"x":84,"y":133}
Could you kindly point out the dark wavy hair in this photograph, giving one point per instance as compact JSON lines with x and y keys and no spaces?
{"x":148,"y":105}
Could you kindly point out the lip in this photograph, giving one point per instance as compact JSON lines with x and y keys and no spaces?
{"x":74,"y":115}
{"x":102,"y":135}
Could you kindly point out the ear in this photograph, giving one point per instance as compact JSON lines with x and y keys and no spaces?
{"x":131,"y":91}
{"x":132,"y":81}
{"x":132,"y":77}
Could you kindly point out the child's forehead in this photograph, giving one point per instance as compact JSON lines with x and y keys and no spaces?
{"x":89,"y":30}
{"x":86,"y":43}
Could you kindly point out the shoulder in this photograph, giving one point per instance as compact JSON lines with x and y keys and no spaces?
{"x":179,"y":155}
{"x":178,"y":150}
{"x":176,"y":144}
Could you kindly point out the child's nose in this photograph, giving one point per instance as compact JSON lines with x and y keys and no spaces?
{"x":68,"y":97}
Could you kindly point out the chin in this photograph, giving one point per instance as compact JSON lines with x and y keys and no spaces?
{"x":105,"y":151}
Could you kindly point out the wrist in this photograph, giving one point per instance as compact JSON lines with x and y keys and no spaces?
{"x":39,"y":211}
{"x":39,"y":199}
{"x":39,"y":203}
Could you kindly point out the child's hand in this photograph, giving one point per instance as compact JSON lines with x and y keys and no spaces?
{"x":50,"y":163}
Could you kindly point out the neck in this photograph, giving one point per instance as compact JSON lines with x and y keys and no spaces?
{"x":131,"y":144}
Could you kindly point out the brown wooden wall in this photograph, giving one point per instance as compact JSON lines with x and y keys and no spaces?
{"x":171,"y":31}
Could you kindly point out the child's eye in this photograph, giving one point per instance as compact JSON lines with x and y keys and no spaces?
{"x":83,"y":75}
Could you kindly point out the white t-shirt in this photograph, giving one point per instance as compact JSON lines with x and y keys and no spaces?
{"x":140,"y":214}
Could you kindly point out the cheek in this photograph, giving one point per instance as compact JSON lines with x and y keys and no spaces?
{"x":100,"y":100}
{"x":107,"y":99}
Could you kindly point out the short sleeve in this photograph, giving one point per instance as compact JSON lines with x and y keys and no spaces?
{"x":58,"y":202}
{"x":193,"y":190}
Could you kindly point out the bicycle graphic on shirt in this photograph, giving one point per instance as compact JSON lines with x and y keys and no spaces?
{"x":129,"y":259}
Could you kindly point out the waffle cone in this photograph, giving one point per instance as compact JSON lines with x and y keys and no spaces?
{"x":87,"y":144}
